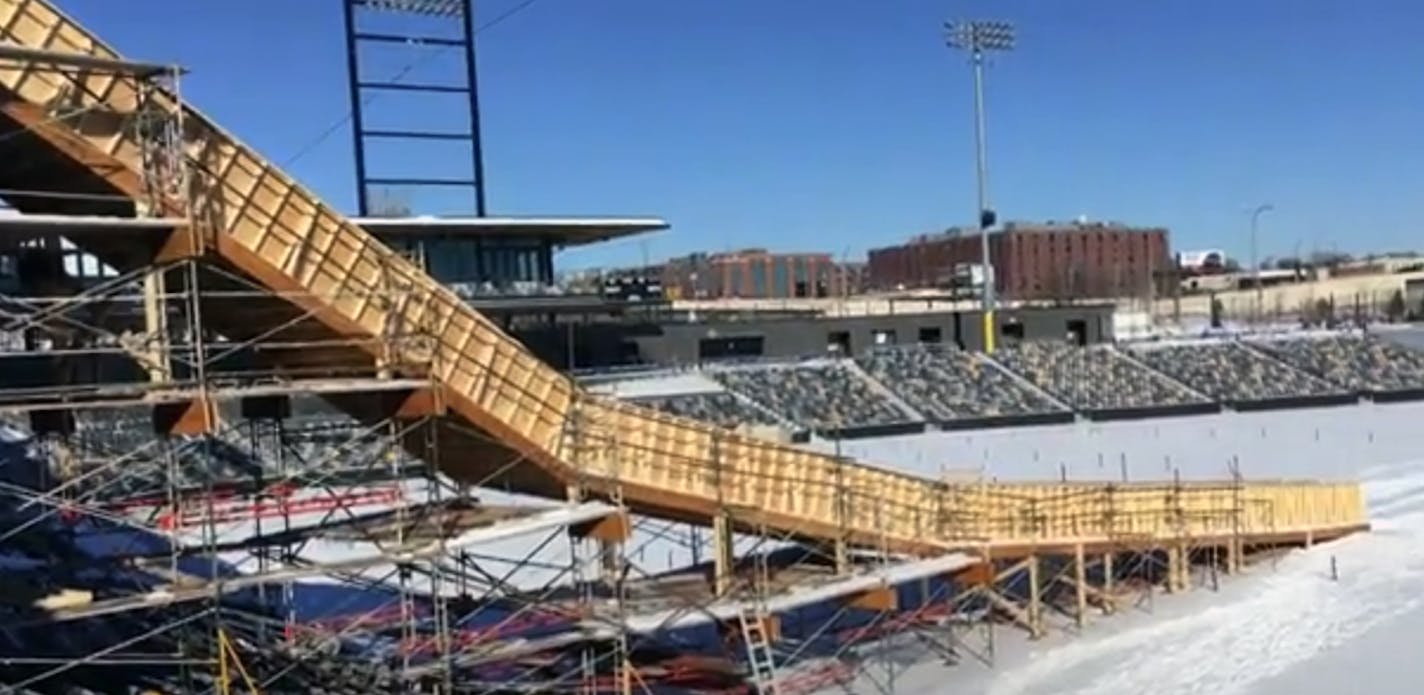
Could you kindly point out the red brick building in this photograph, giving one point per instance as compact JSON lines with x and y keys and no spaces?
{"x":1033,"y":261}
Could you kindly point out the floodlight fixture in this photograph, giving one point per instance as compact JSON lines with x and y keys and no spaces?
{"x":430,"y":8}
{"x":980,"y":36}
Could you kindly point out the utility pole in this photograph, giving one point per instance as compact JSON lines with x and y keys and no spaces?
{"x":979,"y":37}
{"x":1255,"y":263}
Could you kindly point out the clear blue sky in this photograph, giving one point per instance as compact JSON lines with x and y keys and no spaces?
{"x":842,"y":125}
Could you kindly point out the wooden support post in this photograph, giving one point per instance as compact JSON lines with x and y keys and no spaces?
{"x":1035,"y":599}
{"x":1111,"y":604}
{"x":842,"y":551}
{"x":1232,"y":557}
{"x":1080,"y":582}
{"x":722,"y":556}
{"x":155,"y":328}
{"x":1176,"y":568}
{"x":1184,"y":566}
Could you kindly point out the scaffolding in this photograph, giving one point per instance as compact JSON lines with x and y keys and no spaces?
{"x":221,"y":481}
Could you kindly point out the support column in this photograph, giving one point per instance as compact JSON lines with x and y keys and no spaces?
{"x":155,"y":327}
{"x":1035,"y":599}
{"x":723,"y":563}
{"x":1184,"y":567}
{"x":1178,"y":568}
{"x":842,"y":550}
{"x":1080,"y":583}
{"x":1111,"y":605}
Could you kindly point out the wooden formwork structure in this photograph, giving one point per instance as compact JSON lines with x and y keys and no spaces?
{"x":256,"y":261}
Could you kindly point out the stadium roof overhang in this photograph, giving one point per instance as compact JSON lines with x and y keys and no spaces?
{"x":562,"y":231}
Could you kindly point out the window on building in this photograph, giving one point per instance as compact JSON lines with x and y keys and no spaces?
{"x":930,"y":334}
{"x":759,"y":288}
{"x":883,"y":336}
{"x":1012,"y":332}
{"x":780,"y":283}
{"x":727,"y":348}
{"x":800,"y":275}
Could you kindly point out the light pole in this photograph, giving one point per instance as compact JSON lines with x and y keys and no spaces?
{"x":979,"y":37}
{"x":1255,"y":264}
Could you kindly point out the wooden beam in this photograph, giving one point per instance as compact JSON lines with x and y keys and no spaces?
{"x":879,"y":599}
{"x":420,"y":404}
{"x":185,"y":418}
{"x":614,"y":528}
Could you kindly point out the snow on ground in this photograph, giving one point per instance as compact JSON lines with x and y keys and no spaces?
{"x":1327,"y":442}
{"x":1284,"y":628}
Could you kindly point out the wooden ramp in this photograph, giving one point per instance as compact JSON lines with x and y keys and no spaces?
{"x":510,"y":420}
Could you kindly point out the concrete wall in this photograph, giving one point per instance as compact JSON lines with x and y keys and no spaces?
{"x":1286,"y":300}
{"x":798,"y":337}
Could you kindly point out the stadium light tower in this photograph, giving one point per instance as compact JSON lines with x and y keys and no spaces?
{"x":978,"y":38}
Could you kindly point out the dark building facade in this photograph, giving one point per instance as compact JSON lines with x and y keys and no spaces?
{"x":755,"y":274}
{"x":1050,"y":261}
{"x":714,"y":339}
{"x":670,"y":338}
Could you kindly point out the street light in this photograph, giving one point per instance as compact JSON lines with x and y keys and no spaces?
{"x":1255,"y":264}
{"x":979,"y":37}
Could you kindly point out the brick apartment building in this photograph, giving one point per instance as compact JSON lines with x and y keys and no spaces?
{"x":756,"y":274}
{"x":1034,"y":261}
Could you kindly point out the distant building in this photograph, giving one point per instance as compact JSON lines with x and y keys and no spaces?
{"x":755,"y":274}
{"x":1207,"y":262}
{"x":1072,"y":260}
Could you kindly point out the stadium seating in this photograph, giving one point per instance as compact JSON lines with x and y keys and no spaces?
{"x":723,"y":409}
{"x":820,"y":395}
{"x":1353,"y":361}
{"x":1232,"y":373}
{"x":1094,"y":378}
{"x":891,"y":387}
{"x":948,"y":384}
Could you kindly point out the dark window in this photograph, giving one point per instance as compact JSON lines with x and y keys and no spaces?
{"x":838,"y":341}
{"x":1077,"y":331}
{"x":758,"y":268}
{"x":779,"y":283}
{"x":930,"y":334}
{"x":1013,"y":333}
{"x":724,"y":348}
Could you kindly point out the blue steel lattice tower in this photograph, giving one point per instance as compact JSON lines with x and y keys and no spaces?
{"x":456,"y":18}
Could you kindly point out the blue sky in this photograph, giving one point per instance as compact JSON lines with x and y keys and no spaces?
{"x":841,"y":125}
